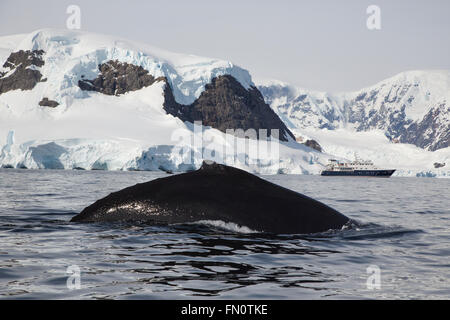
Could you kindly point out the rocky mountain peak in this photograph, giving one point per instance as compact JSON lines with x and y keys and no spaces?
{"x":116,"y":78}
{"x":412,"y":107}
{"x":226,"y":104}
{"x":21,"y":70}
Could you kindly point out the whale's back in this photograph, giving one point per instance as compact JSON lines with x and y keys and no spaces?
{"x":217,"y":192}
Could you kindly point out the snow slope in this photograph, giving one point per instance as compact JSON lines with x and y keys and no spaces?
{"x":407,"y":159}
{"x":132,"y":131}
{"x":70,"y":54}
{"x":8,"y":44}
{"x":414,"y":91}
{"x":91,"y":130}
{"x":371,"y":121}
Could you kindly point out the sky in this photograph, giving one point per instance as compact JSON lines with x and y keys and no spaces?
{"x":316,"y":44}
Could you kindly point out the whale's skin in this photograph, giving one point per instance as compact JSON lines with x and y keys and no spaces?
{"x":216,"y":192}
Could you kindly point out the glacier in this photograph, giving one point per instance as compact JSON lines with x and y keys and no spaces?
{"x":93,"y":131}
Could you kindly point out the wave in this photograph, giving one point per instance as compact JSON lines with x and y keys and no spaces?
{"x":228,"y":226}
{"x":352,"y":230}
{"x":355,"y":230}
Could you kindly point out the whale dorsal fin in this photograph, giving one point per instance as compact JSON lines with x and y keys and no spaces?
{"x":214,"y":167}
{"x":209,"y":165}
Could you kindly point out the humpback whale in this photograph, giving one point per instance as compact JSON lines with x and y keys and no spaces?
{"x":216,"y":192}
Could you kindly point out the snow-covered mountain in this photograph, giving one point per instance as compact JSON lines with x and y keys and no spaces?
{"x":412,"y":107}
{"x":398,"y":122}
{"x":70,"y":99}
{"x":75,"y":100}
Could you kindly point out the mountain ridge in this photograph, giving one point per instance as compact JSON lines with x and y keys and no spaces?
{"x":125,"y":122}
{"x":418,"y":100}
{"x":104,"y":105}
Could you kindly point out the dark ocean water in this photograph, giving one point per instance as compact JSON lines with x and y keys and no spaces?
{"x":403,"y":231}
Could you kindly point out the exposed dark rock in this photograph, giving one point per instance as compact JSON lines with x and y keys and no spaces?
{"x":23,"y":77}
{"x":45,"y":102}
{"x":372,"y":109}
{"x":7,"y":166}
{"x":117,"y":78}
{"x":432,"y":132}
{"x":226,"y":104}
{"x":313,"y":144}
{"x":438,"y":165}
{"x":24,"y":59}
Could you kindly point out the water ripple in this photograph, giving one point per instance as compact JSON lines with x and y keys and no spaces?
{"x":395,"y":228}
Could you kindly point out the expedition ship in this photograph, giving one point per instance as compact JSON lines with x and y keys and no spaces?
{"x":357,"y":168}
